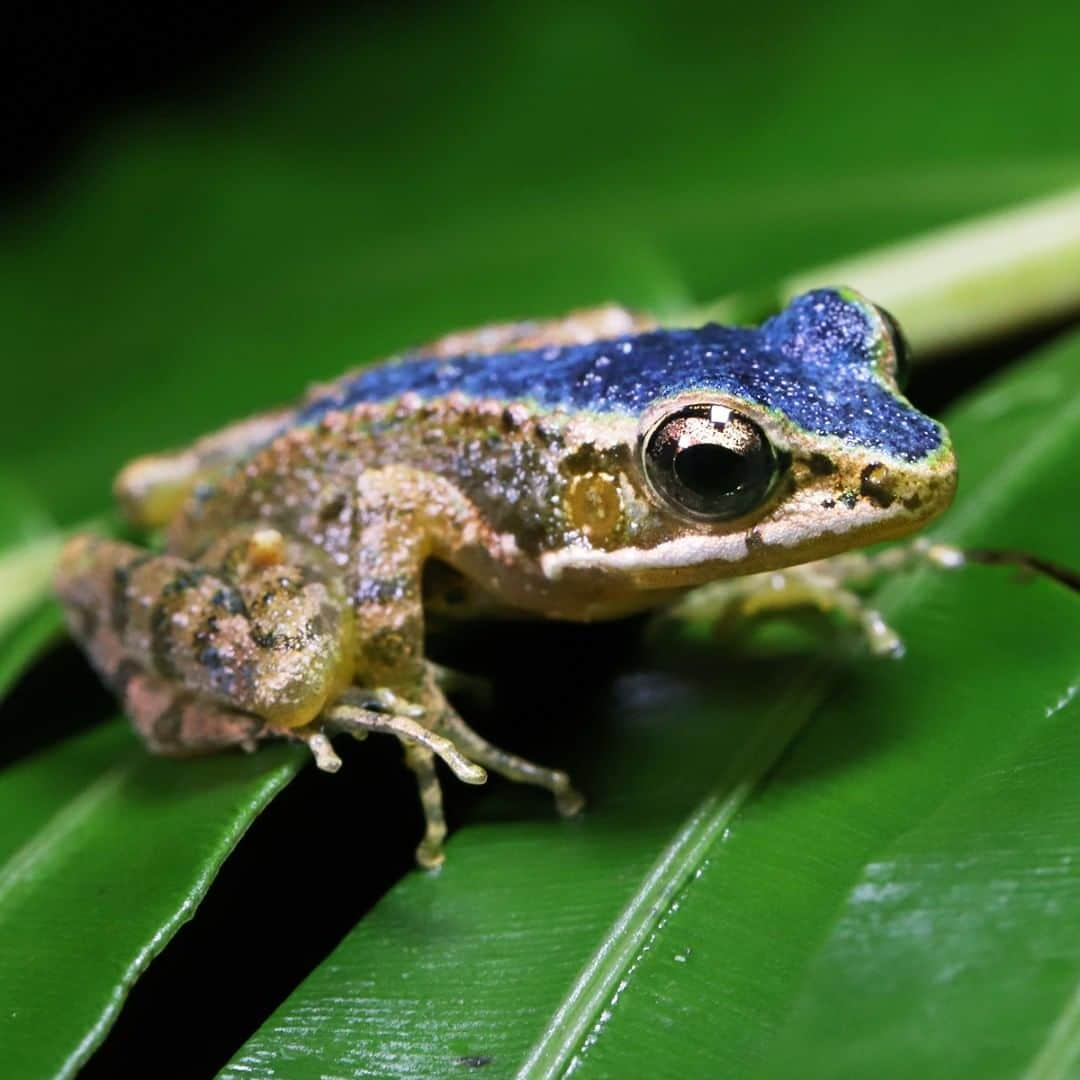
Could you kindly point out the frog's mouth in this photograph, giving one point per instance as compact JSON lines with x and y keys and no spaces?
{"x":881,"y":502}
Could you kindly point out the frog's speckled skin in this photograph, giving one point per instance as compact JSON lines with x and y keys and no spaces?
{"x":818,"y":363}
{"x":298,"y":542}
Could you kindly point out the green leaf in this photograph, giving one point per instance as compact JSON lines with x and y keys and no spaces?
{"x":104,"y":853}
{"x":667,"y":932}
{"x":979,"y":893}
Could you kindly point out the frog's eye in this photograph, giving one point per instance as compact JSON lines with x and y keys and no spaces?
{"x":901,"y":348}
{"x":708,"y":462}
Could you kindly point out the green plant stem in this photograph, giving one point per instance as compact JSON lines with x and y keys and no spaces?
{"x":953,"y":287}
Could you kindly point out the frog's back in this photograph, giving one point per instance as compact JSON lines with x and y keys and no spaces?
{"x":614,"y":375}
{"x":816,"y":364}
{"x":151,"y":489}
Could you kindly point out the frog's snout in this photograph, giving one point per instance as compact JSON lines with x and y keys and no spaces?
{"x":914,"y":494}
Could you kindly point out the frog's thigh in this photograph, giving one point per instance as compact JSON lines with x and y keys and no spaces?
{"x":258,"y":628}
{"x":167,"y":717}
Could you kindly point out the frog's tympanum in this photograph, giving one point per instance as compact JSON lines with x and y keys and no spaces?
{"x":579,"y":469}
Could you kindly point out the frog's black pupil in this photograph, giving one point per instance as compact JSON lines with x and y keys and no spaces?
{"x":709,"y":463}
{"x":711,"y":470}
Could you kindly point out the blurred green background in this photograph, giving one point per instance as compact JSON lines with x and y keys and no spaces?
{"x":338,"y":185}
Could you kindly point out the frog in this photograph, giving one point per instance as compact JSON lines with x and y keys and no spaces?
{"x":581,"y":468}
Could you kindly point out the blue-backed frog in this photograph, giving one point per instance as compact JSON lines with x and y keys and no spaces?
{"x":583,"y":468}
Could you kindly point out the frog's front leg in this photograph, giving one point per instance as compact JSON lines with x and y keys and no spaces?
{"x":403,"y":517}
{"x":827,"y":585}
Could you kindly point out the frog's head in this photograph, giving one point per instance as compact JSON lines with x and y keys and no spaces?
{"x":762,"y":448}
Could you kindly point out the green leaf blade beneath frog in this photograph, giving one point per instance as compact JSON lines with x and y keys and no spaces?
{"x":579,"y":469}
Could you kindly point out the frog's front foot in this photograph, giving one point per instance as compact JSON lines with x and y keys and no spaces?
{"x":728,"y":604}
{"x":427,"y":732}
{"x":359,"y":712}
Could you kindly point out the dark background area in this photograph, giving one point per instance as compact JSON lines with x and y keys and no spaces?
{"x":70,"y":69}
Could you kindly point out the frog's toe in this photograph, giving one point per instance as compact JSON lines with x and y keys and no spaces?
{"x":430,"y":855}
{"x":321,"y":750}
{"x":381,"y":699}
{"x":429,"y":852}
{"x":568,"y":801}
{"x":360,"y":711}
{"x":353,"y":714}
{"x":881,"y":639}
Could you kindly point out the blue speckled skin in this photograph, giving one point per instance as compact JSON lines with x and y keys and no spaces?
{"x":816,"y":363}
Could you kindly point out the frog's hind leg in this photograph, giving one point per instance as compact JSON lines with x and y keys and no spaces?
{"x":178,"y":724}
{"x":257,"y":630}
{"x":170,"y":720}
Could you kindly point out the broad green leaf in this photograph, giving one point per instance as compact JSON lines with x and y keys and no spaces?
{"x":959,"y":943}
{"x":104,"y":853}
{"x":666,"y":934}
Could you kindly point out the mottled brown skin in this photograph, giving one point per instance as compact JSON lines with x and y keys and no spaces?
{"x":294,"y":571}
{"x":290,"y":597}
